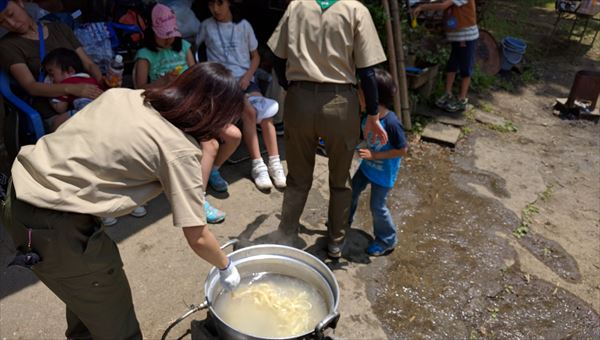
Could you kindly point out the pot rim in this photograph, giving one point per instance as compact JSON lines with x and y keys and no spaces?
{"x":335,"y":289}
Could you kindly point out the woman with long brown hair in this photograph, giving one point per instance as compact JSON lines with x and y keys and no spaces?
{"x":119,"y":152}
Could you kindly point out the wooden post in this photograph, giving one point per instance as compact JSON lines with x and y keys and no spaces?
{"x":391,"y":50}
{"x":401,"y":71}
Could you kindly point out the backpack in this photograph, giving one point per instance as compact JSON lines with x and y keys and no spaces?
{"x":95,"y":39}
{"x":566,"y":5}
{"x":132,"y":17}
{"x":134,"y":13}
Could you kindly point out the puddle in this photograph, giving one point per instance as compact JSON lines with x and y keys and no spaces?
{"x":453,"y":275}
{"x":552,"y":255}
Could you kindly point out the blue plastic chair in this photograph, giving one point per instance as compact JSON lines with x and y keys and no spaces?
{"x":31,"y":126}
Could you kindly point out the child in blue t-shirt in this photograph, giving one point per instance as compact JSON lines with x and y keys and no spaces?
{"x":379,"y":167}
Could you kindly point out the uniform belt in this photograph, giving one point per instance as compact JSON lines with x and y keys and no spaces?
{"x":322,"y":87}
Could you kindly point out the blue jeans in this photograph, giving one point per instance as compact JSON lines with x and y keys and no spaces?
{"x":383,"y":225}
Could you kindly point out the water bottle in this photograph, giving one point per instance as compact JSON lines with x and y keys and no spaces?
{"x":115,"y":72}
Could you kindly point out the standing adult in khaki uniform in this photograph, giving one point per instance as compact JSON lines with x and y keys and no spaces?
{"x":119,"y":152}
{"x":319,"y":47}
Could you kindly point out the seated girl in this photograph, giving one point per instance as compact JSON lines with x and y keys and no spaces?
{"x":164,"y":57}
{"x":230,"y":41}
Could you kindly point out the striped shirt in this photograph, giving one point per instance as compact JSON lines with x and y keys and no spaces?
{"x":465,"y":34}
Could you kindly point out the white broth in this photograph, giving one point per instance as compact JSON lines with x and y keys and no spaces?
{"x":271,"y":305}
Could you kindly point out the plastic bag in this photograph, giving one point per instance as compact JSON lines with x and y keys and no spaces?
{"x":187,"y":22}
{"x":96,"y":41}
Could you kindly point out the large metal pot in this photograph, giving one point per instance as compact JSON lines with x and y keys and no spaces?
{"x":279,"y":260}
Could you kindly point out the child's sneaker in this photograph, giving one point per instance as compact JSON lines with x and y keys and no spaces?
{"x":260,"y":175}
{"x":321,"y":148}
{"x":108,"y":221}
{"x":378,"y":249}
{"x":265,"y":107}
{"x":277,"y":174}
{"x":139,"y":212}
{"x":445,"y":100}
{"x":458,"y":105}
{"x":279,"y":130}
{"x":218,"y":183}
{"x":213,"y":215}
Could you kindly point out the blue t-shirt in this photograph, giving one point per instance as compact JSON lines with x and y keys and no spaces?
{"x":383,"y":172}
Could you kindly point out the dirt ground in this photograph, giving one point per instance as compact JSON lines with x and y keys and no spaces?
{"x":458,"y":272}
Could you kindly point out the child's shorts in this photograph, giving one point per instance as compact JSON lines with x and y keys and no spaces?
{"x":462,"y":57}
{"x":252,"y":87}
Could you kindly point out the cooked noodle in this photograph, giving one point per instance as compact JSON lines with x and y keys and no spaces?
{"x":292,"y":312}
{"x":271,"y":305}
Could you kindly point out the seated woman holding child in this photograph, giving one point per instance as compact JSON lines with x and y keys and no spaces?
{"x":21,"y":57}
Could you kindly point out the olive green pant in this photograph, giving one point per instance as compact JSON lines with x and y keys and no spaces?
{"x":80,"y":264}
{"x":329,"y":111}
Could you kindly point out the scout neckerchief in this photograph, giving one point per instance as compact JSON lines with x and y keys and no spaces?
{"x":325,"y":4}
{"x":42,"y":74}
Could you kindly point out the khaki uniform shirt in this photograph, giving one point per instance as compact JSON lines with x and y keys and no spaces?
{"x":112,"y":156}
{"x":326,"y":46}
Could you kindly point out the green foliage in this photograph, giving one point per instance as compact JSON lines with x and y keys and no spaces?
{"x":521,"y":230}
{"x":466,"y":130}
{"x":507,"y":127}
{"x":529,"y":76}
{"x":481,"y":81}
{"x":486,"y":107}
{"x":544,"y":196}
{"x":505,"y":84}
{"x":419,"y":123}
{"x":526,"y":216}
{"x":428,"y":47}
{"x":531,"y":209}
{"x":494,"y":312}
{"x":470,"y":115}
{"x":379,"y":18}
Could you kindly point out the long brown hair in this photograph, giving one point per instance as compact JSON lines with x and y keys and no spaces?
{"x":201,"y":101}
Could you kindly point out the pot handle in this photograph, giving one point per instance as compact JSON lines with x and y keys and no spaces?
{"x":229,"y":243}
{"x":330,"y":321}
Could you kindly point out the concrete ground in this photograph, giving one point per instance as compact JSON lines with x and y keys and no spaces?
{"x":166,"y":276}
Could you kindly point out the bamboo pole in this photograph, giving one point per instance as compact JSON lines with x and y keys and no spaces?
{"x":401,"y":71}
{"x":392,"y":55}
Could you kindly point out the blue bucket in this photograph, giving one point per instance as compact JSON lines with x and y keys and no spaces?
{"x":513,"y":50}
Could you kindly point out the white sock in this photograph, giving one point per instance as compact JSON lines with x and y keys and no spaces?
{"x":257,"y":162}
{"x":274,"y":160}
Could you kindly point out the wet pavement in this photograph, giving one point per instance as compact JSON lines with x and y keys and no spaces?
{"x":455,"y":273}
{"x":458,"y":272}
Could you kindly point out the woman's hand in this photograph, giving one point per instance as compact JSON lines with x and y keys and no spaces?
{"x":229,"y":277}
{"x":366,"y":154}
{"x":85,"y":91}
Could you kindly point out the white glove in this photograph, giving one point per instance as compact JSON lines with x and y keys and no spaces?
{"x":229,"y":277}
